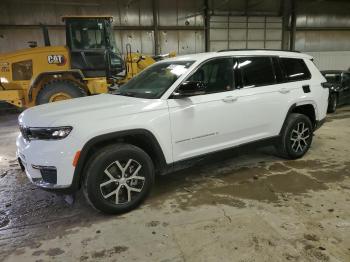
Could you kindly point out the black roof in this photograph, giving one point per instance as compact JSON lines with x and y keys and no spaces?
{"x":248,"y":49}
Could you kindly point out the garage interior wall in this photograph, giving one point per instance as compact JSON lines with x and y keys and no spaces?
{"x":232,"y":32}
{"x":323,"y":31}
{"x":180,"y":23}
{"x":322,"y":26}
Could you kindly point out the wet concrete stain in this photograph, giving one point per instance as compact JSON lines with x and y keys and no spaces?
{"x":278,"y":167}
{"x":4,"y":219}
{"x":329,"y":176}
{"x":267,"y":189}
{"x":152,"y":224}
{"x":109,"y":252}
{"x":56,"y":217}
{"x":306,"y":164}
{"x":341,"y":113}
{"x":311,"y":237}
{"x":52,"y":252}
{"x":38,"y":252}
{"x":267,"y":182}
{"x":315,"y":253}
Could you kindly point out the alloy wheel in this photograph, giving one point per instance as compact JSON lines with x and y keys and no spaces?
{"x":299,"y":137}
{"x":121,"y":181}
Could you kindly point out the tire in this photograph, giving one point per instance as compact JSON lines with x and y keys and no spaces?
{"x":333,"y":102}
{"x":57,"y":90}
{"x":101,"y":189}
{"x":296,"y":136}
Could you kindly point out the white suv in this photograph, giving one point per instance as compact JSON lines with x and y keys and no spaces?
{"x":112,"y":145}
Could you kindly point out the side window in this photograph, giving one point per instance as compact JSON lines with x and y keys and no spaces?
{"x":278,"y":70}
{"x":256,"y":71}
{"x":295,"y":69}
{"x":217,"y":75}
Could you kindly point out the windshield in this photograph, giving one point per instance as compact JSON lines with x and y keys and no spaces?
{"x":88,"y":34}
{"x":155,"y":80}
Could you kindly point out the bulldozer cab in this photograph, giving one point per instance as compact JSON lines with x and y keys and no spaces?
{"x":93,"y":47}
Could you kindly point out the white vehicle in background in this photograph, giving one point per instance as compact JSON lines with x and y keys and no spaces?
{"x":113,"y":145}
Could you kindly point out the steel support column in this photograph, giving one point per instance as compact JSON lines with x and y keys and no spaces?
{"x":206,"y":25}
{"x":155,"y":10}
{"x":293,"y":25}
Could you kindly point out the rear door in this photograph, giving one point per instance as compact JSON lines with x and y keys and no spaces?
{"x":262,"y":100}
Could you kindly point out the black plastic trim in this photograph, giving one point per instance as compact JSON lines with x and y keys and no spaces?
{"x":285,"y":120}
{"x":182,"y":164}
{"x":319,"y":123}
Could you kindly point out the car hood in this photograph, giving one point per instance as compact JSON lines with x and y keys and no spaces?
{"x":91,"y":108}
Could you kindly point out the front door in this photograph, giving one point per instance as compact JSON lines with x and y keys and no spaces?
{"x":204,"y":123}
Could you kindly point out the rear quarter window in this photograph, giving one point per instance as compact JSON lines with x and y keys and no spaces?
{"x":294,"y":69}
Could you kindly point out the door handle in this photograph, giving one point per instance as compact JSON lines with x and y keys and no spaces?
{"x":229,"y":99}
{"x":284,"y":90}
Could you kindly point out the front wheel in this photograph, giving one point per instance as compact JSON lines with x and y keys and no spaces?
{"x":296,"y":136}
{"x":118,"y":178}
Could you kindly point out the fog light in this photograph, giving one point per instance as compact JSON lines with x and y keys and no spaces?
{"x":48,"y":173}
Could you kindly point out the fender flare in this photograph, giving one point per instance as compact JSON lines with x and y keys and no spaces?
{"x":295,"y":105}
{"x":310,"y":102}
{"x":75,"y":72}
{"x":86,"y":151}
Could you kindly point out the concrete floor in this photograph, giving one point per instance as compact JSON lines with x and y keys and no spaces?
{"x":247,"y":207}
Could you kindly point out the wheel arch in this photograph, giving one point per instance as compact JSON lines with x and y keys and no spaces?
{"x":139,"y":137}
{"x":74,"y":75}
{"x":307,"y":108}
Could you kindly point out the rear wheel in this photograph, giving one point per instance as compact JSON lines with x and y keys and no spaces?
{"x":118,"y":178}
{"x":333,"y":102}
{"x":58,"y":90}
{"x":296,"y":137}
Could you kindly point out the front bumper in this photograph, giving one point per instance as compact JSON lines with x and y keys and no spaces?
{"x":43,"y":181}
{"x":47,"y":164}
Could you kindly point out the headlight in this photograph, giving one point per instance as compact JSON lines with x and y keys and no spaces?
{"x":45,"y":133}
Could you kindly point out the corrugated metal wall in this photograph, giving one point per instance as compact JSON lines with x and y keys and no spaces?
{"x":262,"y":32}
{"x":335,"y":60}
{"x":323,"y":31}
{"x":18,"y":20}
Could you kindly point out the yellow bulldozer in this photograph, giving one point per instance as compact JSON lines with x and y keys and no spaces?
{"x":89,"y":64}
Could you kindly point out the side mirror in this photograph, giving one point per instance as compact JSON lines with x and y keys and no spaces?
{"x":115,"y":65}
{"x":190,"y":88}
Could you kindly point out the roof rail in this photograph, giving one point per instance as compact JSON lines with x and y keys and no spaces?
{"x":247,"y":49}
